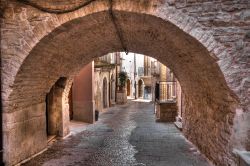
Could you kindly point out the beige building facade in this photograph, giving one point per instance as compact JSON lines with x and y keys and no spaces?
{"x":106,"y":70}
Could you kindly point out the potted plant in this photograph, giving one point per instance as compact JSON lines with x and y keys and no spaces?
{"x":122,"y":80}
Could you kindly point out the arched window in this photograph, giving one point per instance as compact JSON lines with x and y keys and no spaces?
{"x":140,"y":88}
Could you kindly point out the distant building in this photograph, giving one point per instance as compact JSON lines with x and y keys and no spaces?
{"x":149,"y":79}
{"x":106,"y":70}
{"x":94,"y":88}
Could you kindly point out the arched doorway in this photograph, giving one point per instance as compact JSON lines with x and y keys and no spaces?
{"x":128,"y":87}
{"x":54,"y":108}
{"x":112,"y":88}
{"x":140,"y":88}
{"x":105,"y":93}
{"x":198,"y":60}
{"x":70,"y":98}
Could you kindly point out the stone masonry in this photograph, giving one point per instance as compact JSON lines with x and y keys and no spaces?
{"x":205,"y":43}
{"x":166,"y":112}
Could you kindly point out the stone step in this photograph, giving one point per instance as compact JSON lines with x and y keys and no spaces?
{"x":178,"y":125}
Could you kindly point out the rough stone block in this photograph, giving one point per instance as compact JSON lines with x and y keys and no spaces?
{"x":24,"y":133}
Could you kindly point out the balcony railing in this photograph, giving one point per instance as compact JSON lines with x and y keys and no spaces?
{"x":165,"y":91}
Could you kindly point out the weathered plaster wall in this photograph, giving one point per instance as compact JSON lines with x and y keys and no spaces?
{"x":100,"y":74}
{"x":83,"y":95}
{"x":206,"y":44}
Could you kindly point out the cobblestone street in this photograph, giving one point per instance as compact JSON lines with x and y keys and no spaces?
{"x":124,"y":136}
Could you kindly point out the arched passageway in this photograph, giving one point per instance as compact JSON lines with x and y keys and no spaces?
{"x":60,"y":45}
{"x":54,"y":107}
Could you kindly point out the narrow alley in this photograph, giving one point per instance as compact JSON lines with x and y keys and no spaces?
{"x":125,"y":135}
{"x":125,"y":82}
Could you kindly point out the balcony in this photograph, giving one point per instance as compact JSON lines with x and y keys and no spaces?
{"x":165,"y":101}
{"x":165,"y":91}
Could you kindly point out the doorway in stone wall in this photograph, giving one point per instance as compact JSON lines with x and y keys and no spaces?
{"x":70,"y":99}
{"x":104,"y":93}
{"x":54,"y":109}
{"x":140,"y":88}
{"x":128,"y":87}
{"x":112,"y":89}
{"x":47,"y":113}
{"x":50,"y":118}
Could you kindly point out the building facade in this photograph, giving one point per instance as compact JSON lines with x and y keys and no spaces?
{"x":106,"y":72}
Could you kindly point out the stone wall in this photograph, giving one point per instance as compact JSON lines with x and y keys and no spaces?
{"x":229,"y":21}
{"x":216,"y":126}
{"x":166,"y":112}
{"x":205,"y":44}
{"x":25,"y":130}
{"x":24,"y":133}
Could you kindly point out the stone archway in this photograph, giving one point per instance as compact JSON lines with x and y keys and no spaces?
{"x":44,"y":47}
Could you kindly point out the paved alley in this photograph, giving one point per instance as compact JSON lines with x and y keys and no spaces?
{"x":125,"y":135}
